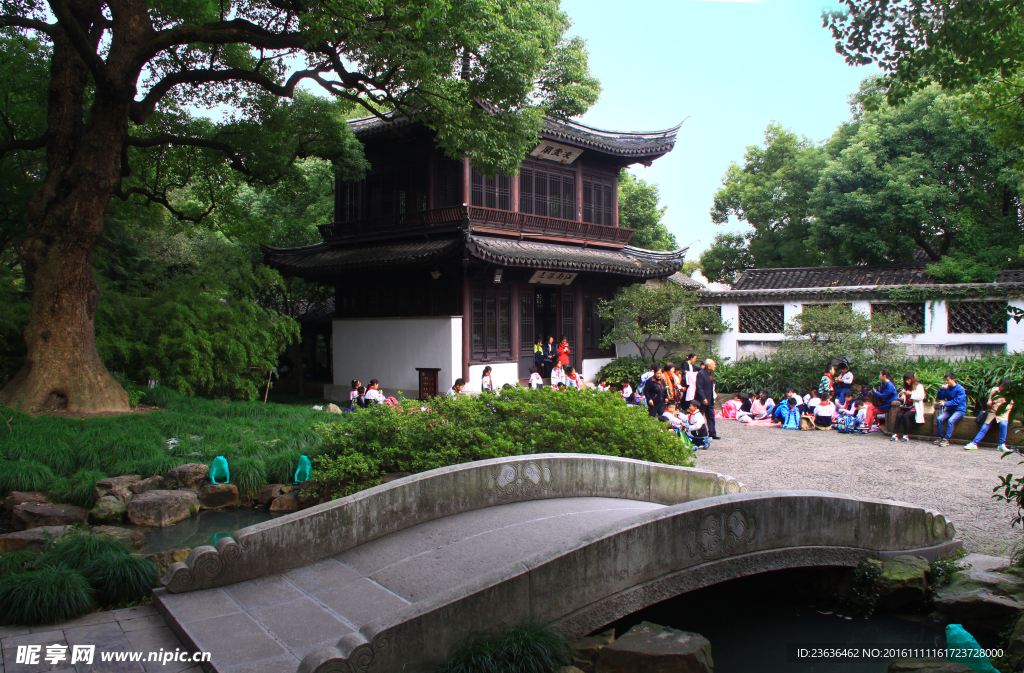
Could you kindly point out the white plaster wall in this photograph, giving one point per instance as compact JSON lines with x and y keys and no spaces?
{"x":501,"y":373}
{"x":592,"y":367}
{"x":390,"y":350}
{"x":727,"y":339}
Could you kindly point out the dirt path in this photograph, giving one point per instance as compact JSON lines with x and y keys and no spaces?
{"x":955,"y":482}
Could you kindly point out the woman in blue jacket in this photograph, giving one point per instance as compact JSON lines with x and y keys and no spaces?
{"x":950,"y":405}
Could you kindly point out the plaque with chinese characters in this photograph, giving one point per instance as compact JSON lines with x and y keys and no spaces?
{"x":552,"y":277}
{"x":563,"y":154}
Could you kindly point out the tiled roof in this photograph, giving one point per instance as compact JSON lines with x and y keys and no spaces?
{"x":628,"y":260}
{"x":641,"y":144}
{"x":684,"y":280}
{"x":324,"y":258}
{"x":848,"y":281}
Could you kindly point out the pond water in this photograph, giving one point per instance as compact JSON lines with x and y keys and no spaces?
{"x":754,"y":624}
{"x":205,"y":528}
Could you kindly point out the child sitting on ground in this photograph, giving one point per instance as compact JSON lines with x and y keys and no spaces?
{"x":824,"y":412}
{"x":696,"y":427}
{"x":354,"y":395}
{"x":603,"y":386}
{"x":573,"y":380}
{"x":561,"y":386}
{"x":536,"y":382}
{"x":790,"y":415}
{"x":811,"y":400}
{"x":671,"y":416}
{"x":557,"y":375}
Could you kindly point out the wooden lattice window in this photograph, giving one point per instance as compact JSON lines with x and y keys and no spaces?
{"x":548,"y":192}
{"x":598,"y":200}
{"x":491,"y":325}
{"x":911,"y":314}
{"x":976,"y":317}
{"x":761,"y":319}
{"x":526,"y":319}
{"x":493,"y":192}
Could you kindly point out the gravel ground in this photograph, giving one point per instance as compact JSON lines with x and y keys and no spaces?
{"x":955,"y":482}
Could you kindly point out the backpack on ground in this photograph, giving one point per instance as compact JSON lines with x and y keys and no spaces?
{"x":806,"y":423}
{"x":846,"y":424}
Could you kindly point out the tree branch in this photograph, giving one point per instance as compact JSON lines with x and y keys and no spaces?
{"x":221,"y":32}
{"x":161,"y":199}
{"x":80,"y":40}
{"x":33,"y":144}
{"x":7,"y":20}
{"x":185,"y":141}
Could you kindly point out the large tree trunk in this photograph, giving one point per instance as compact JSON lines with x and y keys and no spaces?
{"x":62,"y":369}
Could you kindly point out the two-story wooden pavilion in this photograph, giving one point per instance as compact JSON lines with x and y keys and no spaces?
{"x":442,"y":269}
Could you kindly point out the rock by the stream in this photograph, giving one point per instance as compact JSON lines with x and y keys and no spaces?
{"x":131,"y":537}
{"x":288,"y":502}
{"x":333,"y":409}
{"x":585,"y":650}
{"x":190,"y":475}
{"x":652,"y":648}
{"x":981,"y":600}
{"x":32,"y":538}
{"x":904,"y":580}
{"x":927,"y":665}
{"x":162,"y":508}
{"x":16,"y":498}
{"x":119,"y":487}
{"x":1015,"y":646}
{"x":33,"y":515}
{"x":272,"y":491}
{"x":218,"y":496}
{"x":108,"y":509}
{"x":164,"y":559}
{"x":154,"y":483}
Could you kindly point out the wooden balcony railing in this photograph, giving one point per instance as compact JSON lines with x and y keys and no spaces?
{"x":476,"y":217}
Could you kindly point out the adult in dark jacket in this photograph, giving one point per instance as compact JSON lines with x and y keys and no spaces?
{"x":706,"y":394}
{"x":550,"y":355}
{"x":654,"y":393}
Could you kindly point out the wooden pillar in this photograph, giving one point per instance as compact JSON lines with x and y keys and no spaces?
{"x":466,"y":187}
{"x":615,"y":200}
{"x":467,"y":323}
{"x":579,"y":191}
{"x":578,"y":306}
{"x":514,"y":309}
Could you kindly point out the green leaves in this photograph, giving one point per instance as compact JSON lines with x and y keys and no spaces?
{"x":640,"y":210}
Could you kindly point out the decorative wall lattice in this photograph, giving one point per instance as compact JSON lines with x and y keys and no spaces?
{"x":911,"y":314}
{"x":761,"y":319}
{"x":976,"y":317}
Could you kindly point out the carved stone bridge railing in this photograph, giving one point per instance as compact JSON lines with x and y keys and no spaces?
{"x":329,"y":529}
{"x":586,"y":583}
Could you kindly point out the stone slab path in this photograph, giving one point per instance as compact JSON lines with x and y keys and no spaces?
{"x":139,"y":629}
{"x":268,"y":624}
{"x":955,"y":482}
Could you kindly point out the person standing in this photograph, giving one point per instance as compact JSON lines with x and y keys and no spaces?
{"x":827,"y":384}
{"x":563,"y":352}
{"x":997,"y":413}
{"x":689,"y":372}
{"x":487,"y":381}
{"x":950,"y":407}
{"x":705,"y":395}
{"x":844,"y":381}
{"x":550,"y":355}
{"x":654,"y":393}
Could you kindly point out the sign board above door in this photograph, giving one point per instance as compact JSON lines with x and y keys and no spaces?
{"x":552,"y":277}
{"x":563,"y":154}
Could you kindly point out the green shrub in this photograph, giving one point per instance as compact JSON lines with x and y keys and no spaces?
{"x":248,"y":473}
{"x":79,"y":549}
{"x":942,"y":569}
{"x":345,"y":473}
{"x":120,"y":577}
{"x":417,"y":436}
{"x":281,"y":467}
{"x":17,"y":561}
{"x":160,"y":396}
{"x":629,"y":368}
{"x":24,"y":475}
{"x":53,"y":593}
{"x":524,"y":649}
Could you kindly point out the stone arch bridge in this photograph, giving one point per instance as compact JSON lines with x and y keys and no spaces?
{"x":396,"y":577}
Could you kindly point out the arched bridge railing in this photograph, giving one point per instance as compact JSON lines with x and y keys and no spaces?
{"x":585,"y":583}
{"x":329,"y":529}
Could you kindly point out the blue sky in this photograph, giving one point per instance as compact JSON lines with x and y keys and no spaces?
{"x":731,"y":67}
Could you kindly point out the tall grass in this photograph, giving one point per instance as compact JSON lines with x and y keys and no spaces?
{"x":65,"y":456}
{"x":51,"y":594}
{"x":120,"y":577}
{"x":524,"y":649}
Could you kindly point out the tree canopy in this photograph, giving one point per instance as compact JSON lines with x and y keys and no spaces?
{"x":109,"y":100}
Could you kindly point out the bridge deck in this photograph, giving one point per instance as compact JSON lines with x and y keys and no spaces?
{"x":266,"y":625}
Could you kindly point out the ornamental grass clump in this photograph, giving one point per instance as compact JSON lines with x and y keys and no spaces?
{"x":24,"y":475}
{"x":120,"y":578}
{"x":47,"y":595}
{"x":77,"y":550}
{"x":524,"y":649}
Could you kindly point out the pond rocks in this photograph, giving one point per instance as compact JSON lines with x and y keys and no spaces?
{"x":190,"y":475}
{"x":927,"y":665}
{"x":131,"y":537}
{"x":218,"y":496}
{"x":286,"y":502}
{"x":108,"y":509}
{"x":117,"y":487}
{"x":34,"y":538}
{"x":272,"y":491}
{"x":650,"y":648}
{"x":16,"y":498}
{"x":164,"y":559}
{"x":585,"y":650}
{"x":154,"y":483}
{"x":987,"y":600}
{"x":162,"y":508}
{"x":903,"y":580}
{"x":33,"y":515}
{"x":333,"y":409}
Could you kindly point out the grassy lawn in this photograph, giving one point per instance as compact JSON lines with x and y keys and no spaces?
{"x":65,"y":456}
